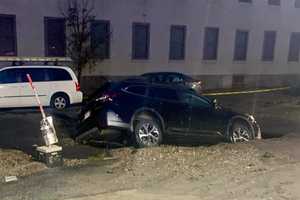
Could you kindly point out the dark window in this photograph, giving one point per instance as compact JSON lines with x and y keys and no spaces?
{"x":269,"y":45}
{"x":100,"y":38}
{"x":294,"y":47}
{"x":274,"y":2}
{"x":174,"y":79}
{"x":210,"y":51}
{"x":139,"y":90}
{"x":55,"y":37}
{"x":58,"y":75}
{"x":36,"y":74}
{"x":177,"y":43}
{"x":140,"y":41}
{"x":8,"y":43}
{"x":241,"y":45}
{"x":297,"y":3}
{"x":194,"y":101}
{"x":163,"y":93}
{"x":10,"y":76}
{"x":245,"y":1}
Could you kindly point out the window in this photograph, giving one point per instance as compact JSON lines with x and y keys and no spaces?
{"x":140,"y":41}
{"x":269,"y":45}
{"x":245,"y":1}
{"x":163,"y":93}
{"x":274,"y":2}
{"x":294,"y":48}
{"x":58,"y":75}
{"x":174,"y":79}
{"x":177,"y":43}
{"x":36,"y":74}
{"x":10,"y":76}
{"x":241,"y":45}
{"x":297,"y":3}
{"x":8,"y":36}
{"x":55,"y":38}
{"x":194,"y":101}
{"x":210,"y":51}
{"x":139,"y":90}
{"x":100,"y":38}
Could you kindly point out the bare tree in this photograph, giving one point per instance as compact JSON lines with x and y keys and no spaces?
{"x":79,"y":15}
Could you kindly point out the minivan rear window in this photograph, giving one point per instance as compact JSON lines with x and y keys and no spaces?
{"x":36,"y":74}
{"x":58,"y":75}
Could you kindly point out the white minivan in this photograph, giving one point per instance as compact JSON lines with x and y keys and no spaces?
{"x":57,"y":87}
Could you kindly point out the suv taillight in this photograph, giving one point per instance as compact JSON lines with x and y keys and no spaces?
{"x":77,"y":86}
{"x":107,"y":97}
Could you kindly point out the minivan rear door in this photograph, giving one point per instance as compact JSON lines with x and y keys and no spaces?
{"x":10,"y":88}
{"x":39,"y":79}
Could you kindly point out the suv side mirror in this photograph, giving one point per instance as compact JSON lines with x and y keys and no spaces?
{"x":216,"y":104}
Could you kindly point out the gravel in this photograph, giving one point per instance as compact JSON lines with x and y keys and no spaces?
{"x":17,"y":163}
{"x":229,"y":161}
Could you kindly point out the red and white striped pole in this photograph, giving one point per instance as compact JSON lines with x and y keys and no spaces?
{"x":36,"y":96}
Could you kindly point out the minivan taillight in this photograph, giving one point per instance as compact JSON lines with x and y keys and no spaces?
{"x":107,"y":97}
{"x":77,"y":86}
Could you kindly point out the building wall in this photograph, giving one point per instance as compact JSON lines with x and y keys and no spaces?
{"x":227,"y":15}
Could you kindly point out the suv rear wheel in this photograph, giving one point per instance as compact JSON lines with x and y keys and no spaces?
{"x":148,"y":133}
{"x":60,"y":101}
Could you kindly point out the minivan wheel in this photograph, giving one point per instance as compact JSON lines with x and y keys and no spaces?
{"x":148,"y":133}
{"x":60,"y":101}
{"x":240,"y":131}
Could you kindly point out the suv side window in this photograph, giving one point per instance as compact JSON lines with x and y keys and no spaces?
{"x":37,"y":74}
{"x":10,"y":76}
{"x":58,"y":75}
{"x":163,"y":93}
{"x":195,"y":101}
{"x":139,"y":90}
{"x":174,"y":79}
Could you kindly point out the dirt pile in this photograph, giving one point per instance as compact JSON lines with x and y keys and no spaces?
{"x":229,"y":161}
{"x":17,"y":163}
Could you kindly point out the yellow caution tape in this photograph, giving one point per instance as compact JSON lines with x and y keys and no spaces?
{"x":247,"y":92}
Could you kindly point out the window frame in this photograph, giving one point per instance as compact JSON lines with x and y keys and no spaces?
{"x":46,"y":19}
{"x":235,"y":54}
{"x":245,"y":1}
{"x":265,"y":57}
{"x":148,"y":37}
{"x":15,"y":39}
{"x":276,"y":3}
{"x":206,"y":45}
{"x":184,"y":29}
{"x":108,"y":50}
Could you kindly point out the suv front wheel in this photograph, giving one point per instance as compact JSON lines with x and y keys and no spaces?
{"x":148,"y":133}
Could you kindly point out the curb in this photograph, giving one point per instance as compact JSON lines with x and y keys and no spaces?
{"x":247,"y":92}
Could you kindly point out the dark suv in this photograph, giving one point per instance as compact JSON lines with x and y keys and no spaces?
{"x":149,"y":111}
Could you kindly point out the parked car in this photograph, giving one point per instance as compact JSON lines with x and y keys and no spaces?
{"x":57,"y":87}
{"x":150,"y":111}
{"x":174,"y":78}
